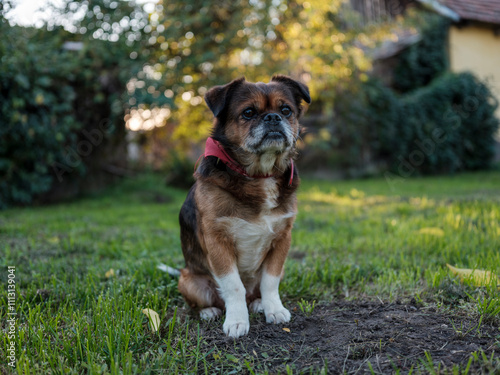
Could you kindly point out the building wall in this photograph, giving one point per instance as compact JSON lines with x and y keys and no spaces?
{"x":476,"y":48}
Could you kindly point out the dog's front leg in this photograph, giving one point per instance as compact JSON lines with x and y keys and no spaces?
{"x":233,"y":293}
{"x":272,"y":273}
{"x":222,"y":259}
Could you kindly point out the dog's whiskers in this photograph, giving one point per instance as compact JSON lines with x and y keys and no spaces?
{"x":299,"y":137}
{"x":279,"y":170}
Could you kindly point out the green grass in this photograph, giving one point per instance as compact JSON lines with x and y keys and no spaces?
{"x":357,"y":239}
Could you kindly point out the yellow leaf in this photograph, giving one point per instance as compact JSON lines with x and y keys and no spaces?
{"x":53,"y":240}
{"x":154,"y":319}
{"x":216,"y":356}
{"x":476,"y":277}
{"x":110,"y":273}
{"x":286,"y":329}
{"x":432,"y":231}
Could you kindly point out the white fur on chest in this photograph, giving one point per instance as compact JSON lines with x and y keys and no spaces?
{"x":253,"y":238}
{"x":271,"y":193}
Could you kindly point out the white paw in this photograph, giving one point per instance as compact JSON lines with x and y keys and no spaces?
{"x":275,"y":312}
{"x":210,"y":313}
{"x":256,"y":306}
{"x":236,"y":327}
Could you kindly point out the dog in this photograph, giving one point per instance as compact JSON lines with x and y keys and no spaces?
{"x":237,"y":219}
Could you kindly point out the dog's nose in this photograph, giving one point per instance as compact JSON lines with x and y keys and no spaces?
{"x":272,"y":118}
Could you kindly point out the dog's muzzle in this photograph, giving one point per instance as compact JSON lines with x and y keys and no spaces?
{"x":273,"y":134}
{"x":274,"y":128}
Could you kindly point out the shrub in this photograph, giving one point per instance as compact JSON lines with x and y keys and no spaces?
{"x":61,"y":113}
{"x":36,"y":101}
{"x":422,"y":62}
{"x":446,"y":126}
{"x":452,"y":122}
{"x":366,"y":123}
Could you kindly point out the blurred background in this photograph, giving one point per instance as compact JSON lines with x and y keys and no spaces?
{"x":99,"y":90}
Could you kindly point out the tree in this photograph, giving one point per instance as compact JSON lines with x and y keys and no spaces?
{"x":62,"y":110}
{"x":200,"y":43}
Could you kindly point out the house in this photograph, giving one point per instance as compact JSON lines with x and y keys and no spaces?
{"x":474,"y":38}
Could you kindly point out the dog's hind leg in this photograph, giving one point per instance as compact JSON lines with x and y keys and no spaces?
{"x":209,"y":313}
{"x":199,"y":291}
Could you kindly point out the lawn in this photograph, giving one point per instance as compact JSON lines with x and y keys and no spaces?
{"x":85,"y":270}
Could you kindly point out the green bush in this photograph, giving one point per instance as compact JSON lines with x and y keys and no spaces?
{"x":366,"y":123}
{"x":444,"y":127}
{"x":36,"y":103}
{"x":451,"y":122}
{"x":422,"y":62}
{"x":61,"y":113}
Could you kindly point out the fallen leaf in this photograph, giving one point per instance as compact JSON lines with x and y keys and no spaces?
{"x":110,"y":273}
{"x":53,"y":240}
{"x":432,"y":231}
{"x":286,"y":329}
{"x":154,"y":319}
{"x":477,"y":277}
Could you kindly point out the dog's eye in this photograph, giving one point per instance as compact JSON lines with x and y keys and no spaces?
{"x":286,"y":111}
{"x":248,"y":113}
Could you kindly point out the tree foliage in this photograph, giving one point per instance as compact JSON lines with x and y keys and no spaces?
{"x":168,"y":54}
{"x":200,"y":43}
{"x":36,"y":113}
{"x":430,"y":122}
{"x":53,"y":101}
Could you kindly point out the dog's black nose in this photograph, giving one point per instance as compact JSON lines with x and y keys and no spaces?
{"x":272,"y":118}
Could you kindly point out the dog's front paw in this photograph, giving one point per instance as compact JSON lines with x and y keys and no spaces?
{"x":275,"y":312}
{"x":236,"y":327}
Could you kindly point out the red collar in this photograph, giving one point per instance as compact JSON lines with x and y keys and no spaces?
{"x":214,"y":148}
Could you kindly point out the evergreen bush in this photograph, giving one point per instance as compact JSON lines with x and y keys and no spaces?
{"x":420,"y":63}
{"x":451,"y":123}
{"x":446,"y":126}
{"x":36,"y":103}
{"x":61,"y":113}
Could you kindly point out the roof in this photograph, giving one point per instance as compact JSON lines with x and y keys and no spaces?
{"x":476,"y":10}
{"x":390,"y":48}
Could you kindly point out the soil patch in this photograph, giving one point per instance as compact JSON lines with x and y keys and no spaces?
{"x":349,"y":337}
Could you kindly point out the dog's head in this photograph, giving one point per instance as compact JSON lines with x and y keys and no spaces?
{"x":258,"y":122}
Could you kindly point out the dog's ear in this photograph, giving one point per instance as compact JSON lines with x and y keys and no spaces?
{"x":299,"y":90}
{"x":217,"y":97}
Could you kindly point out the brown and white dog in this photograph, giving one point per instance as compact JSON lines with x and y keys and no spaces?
{"x":237,"y":219}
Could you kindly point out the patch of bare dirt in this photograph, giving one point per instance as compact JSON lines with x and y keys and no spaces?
{"x":345,"y":336}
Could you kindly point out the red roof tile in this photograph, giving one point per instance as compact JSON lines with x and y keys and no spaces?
{"x":477,"y":10}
